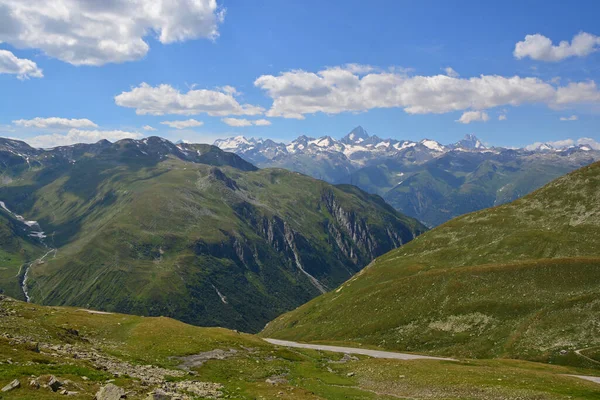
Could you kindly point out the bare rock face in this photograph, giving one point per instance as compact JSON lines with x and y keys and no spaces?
{"x":11,"y":386}
{"x":110,"y":392}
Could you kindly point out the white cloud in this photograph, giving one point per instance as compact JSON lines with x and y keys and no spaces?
{"x":23,"y":68}
{"x":190,"y":123}
{"x":165,"y":99}
{"x":539,"y":47}
{"x":148,"y":128}
{"x":451,"y":72}
{"x":571,"y":118}
{"x":240,"y":122}
{"x":473,"y":116}
{"x":578,"y":92}
{"x":55,"y":123}
{"x":502,"y":117}
{"x":337,"y":89}
{"x":79,"y":136}
{"x":237,"y":122}
{"x":262,"y":122}
{"x":88,"y":32}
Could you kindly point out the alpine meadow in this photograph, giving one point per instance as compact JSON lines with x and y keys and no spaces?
{"x":215,"y":199}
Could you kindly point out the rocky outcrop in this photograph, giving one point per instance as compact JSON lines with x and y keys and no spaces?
{"x":218,"y":175}
{"x":355,"y":238}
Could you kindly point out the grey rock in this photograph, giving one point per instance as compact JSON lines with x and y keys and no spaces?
{"x":110,"y":392}
{"x":159,"y":394}
{"x":11,"y":386}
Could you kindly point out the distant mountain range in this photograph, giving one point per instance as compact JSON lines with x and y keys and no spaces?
{"x":188,"y":231}
{"x":426,"y":179}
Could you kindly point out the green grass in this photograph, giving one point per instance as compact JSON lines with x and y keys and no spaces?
{"x":307,"y":374}
{"x":519,"y":281}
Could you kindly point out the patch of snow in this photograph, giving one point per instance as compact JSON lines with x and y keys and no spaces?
{"x":404,"y":145}
{"x":432,"y":144}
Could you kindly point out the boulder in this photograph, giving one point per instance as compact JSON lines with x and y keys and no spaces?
{"x":54,"y":383}
{"x":110,"y":392}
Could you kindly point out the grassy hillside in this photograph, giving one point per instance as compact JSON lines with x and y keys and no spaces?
{"x":520,"y":280}
{"x":86,"y":350}
{"x":195,"y":233}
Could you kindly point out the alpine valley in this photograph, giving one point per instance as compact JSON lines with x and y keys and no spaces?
{"x":188,"y":231}
{"x":516,"y":281}
{"x":425,"y":180}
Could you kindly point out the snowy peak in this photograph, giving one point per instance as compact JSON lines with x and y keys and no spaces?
{"x":356,"y":136}
{"x":433,"y":145}
{"x":470,"y":142}
{"x":236,"y":143}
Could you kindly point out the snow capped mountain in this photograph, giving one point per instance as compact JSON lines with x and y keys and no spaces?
{"x":236,"y":143}
{"x":356,"y":149}
{"x":470,"y":142}
{"x":334,"y":160}
{"x":356,"y":136}
{"x":433,"y":145}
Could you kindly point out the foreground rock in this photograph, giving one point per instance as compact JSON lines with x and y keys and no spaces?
{"x":110,"y":392}
{"x":11,"y":386}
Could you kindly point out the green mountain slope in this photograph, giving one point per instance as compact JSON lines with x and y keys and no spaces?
{"x":519,"y":280}
{"x":192,"y":232}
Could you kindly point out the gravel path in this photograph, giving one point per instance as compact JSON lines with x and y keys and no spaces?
{"x":595,"y":379}
{"x":354,"y":350}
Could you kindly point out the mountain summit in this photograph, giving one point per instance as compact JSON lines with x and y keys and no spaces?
{"x":356,"y":135}
{"x":470,"y":142}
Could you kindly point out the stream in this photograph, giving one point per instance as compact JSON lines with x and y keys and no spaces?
{"x":35,"y":231}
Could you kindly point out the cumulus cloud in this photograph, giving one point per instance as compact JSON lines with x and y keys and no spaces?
{"x":237,"y":122}
{"x":262,"y":122}
{"x":338,"y":89}
{"x":502,"y":117}
{"x":23,"y":68}
{"x":473,"y":116}
{"x":148,"y":128}
{"x":539,"y":47}
{"x":79,"y":136}
{"x":571,"y":118}
{"x":86,"y":32}
{"x":190,"y":123}
{"x":451,"y":72}
{"x":55,"y":123}
{"x":165,"y":99}
{"x":240,"y":122}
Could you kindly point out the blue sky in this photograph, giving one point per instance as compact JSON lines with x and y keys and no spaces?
{"x":407,"y":45}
